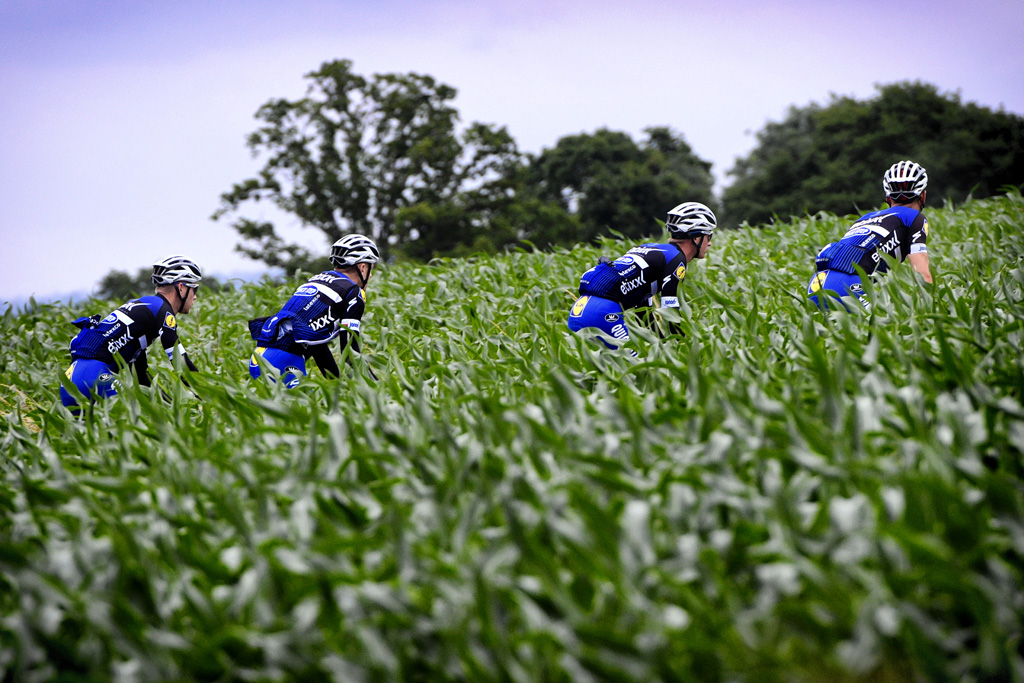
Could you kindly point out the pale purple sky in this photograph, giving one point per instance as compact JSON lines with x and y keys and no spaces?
{"x":122,"y":122}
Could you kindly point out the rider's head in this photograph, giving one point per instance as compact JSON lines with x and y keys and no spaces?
{"x":180,"y":277}
{"x":904,"y":183}
{"x":692,"y":223}
{"x":355,"y":253}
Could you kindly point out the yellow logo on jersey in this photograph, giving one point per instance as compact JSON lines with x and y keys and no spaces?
{"x":577,"y":308}
{"x":362,"y":295}
{"x":925,"y":227}
{"x":170,"y":322}
{"x":818,"y":282}
{"x":70,"y":371}
{"x":260,"y":350}
{"x":681,"y":271}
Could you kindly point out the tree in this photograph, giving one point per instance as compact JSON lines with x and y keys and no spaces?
{"x":832,"y":157}
{"x":357,"y":153}
{"x":500,"y":209}
{"x":609,"y":182}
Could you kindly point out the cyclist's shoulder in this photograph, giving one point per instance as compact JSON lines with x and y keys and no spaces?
{"x":900,"y":214}
{"x":153,"y":304}
{"x":906,"y":213}
{"x":333,"y":279}
{"x":889,"y":217}
{"x":669,"y":251}
{"x":873,"y":216}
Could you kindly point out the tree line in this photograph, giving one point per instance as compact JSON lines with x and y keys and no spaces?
{"x":385,"y":156}
{"x":831,"y":157}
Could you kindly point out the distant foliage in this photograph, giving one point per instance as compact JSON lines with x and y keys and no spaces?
{"x":384,"y":156}
{"x":609,"y":182}
{"x":381,"y":156}
{"x":831,"y":158}
{"x":498,"y":208}
{"x":778,"y":495}
{"x":118,"y":285}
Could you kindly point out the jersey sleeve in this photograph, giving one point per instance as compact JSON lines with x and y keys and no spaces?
{"x":351,"y":308}
{"x":168,"y":332}
{"x":670,"y":283}
{"x":919,"y":235}
{"x":169,"y":339}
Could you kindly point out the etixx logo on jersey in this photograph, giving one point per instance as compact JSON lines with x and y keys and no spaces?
{"x":170,"y":322}
{"x":322,"y":322}
{"x":628,"y":286}
{"x":681,"y":271}
{"x":577,"y":308}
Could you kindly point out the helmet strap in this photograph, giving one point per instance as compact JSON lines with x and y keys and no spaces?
{"x":364,"y":279}
{"x":181,"y":299}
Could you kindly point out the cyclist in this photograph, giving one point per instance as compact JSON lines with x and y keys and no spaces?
{"x":633,"y":279}
{"x":900,"y":231}
{"x":130,"y":330}
{"x":327,"y":306}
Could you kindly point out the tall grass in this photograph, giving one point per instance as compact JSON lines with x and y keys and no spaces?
{"x":777,"y":495}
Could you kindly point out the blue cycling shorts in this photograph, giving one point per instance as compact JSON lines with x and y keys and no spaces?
{"x":602,"y":317}
{"x":93,"y":378}
{"x":290,"y":365}
{"x":836,"y":284}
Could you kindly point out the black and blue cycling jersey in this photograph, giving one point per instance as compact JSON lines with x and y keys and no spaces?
{"x":327,"y":306}
{"x":630,"y":281}
{"x":897,"y":231}
{"x":634,"y":278}
{"x":127,"y":332}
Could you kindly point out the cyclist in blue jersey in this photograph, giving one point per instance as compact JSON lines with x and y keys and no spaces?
{"x":900,"y":231}
{"x":130,"y":330}
{"x":636,"y":277}
{"x":328,"y":306}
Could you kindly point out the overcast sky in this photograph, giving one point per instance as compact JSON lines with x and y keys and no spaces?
{"x":121,"y":123}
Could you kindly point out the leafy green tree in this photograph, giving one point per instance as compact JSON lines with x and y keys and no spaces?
{"x":356,"y":153}
{"x":502,"y":208}
{"x":609,"y":182}
{"x":832,"y":157}
{"x":499,"y":209}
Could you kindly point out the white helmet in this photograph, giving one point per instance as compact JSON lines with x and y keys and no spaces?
{"x":691,"y":217}
{"x":905,"y":179}
{"x":353,"y":249}
{"x":174,"y":269}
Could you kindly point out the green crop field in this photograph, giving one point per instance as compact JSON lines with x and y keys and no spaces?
{"x":778,"y":495}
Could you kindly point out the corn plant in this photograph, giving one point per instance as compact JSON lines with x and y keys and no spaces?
{"x":777,"y":494}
